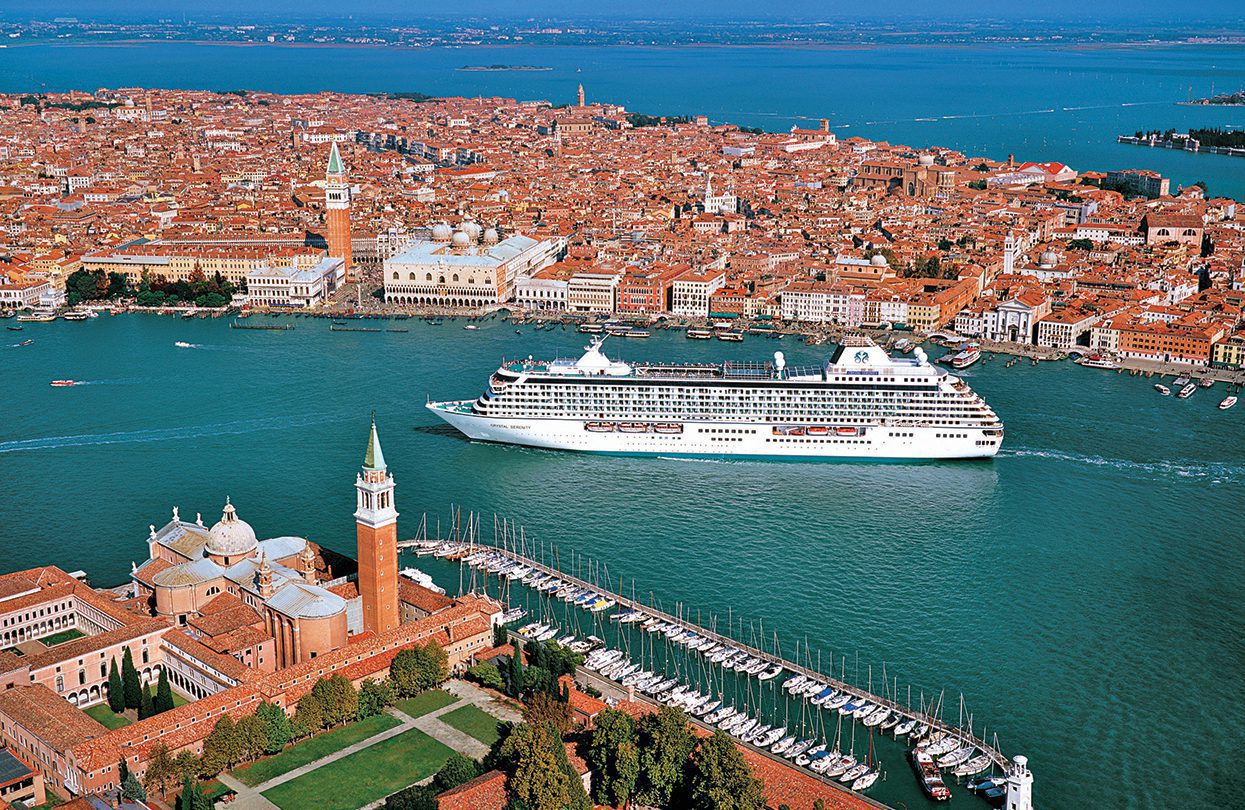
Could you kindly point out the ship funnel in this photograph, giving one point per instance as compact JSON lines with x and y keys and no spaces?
{"x":920,"y":355}
{"x":780,"y":362}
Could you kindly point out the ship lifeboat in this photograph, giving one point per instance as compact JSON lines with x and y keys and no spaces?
{"x":668,"y":427}
{"x":599,"y":427}
{"x":796,"y":431}
{"x":633,"y":427}
{"x":818,"y":430}
{"x":846,"y":431}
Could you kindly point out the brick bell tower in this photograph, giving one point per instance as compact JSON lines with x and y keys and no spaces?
{"x":337,"y":210}
{"x":376,"y":521}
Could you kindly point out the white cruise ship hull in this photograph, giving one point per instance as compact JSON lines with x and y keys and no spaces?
{"x":721,"y":438}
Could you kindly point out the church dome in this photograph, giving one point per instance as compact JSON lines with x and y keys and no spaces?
{"x":441,"y":232}
{"x":1048,"y":259}
{"x":878,"y":260}
{"x":491,"y":237}
{"x":925,"y":160}
{"x":460,"y":240}
{"x":471,"y":229}
{"x":231,"y":536}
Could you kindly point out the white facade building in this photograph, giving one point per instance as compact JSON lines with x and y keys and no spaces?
{"x":690,"y":293}
{"x":294,"y":287}
{"x":541,"y":293}
{"x":592,"y":292}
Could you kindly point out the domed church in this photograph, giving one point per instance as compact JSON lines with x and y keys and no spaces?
{"x":193,"y":571}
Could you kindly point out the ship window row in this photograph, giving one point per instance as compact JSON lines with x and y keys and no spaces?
{"x":786,"y":440}
{"x":724,"y":430}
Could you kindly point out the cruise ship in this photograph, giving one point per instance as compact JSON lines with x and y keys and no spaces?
{"x":862,"y":403}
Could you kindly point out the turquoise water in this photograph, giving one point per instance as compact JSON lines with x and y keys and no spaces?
{"x":1038,"y":102}
{"x":1082,"y":590}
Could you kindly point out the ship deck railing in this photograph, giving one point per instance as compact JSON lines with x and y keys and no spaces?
{"x":624,"y":602}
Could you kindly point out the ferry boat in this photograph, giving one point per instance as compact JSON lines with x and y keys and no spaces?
{"x":591,"y":328}
{"x":1187,"y":391}
{"x":861,"y":403}
{"x":38,"y":316}
{"x":1098,"y":361}
{"x":732,"y":337}
{"x":966,"y":358}
{"x":699,"y":334}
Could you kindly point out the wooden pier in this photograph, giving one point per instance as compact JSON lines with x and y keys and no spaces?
{"x":622,"y":601}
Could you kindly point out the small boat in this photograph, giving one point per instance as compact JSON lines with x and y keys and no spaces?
{"x":668,"y":428}
{"x":905,"y":727}
{"x":1163,"y":389}
{"x":62,"y":383}
{"x":1180,"y":381}
{"x":15,"y":328}
{"x":181,"y":344}
{"x":24,"y":343}
{"x":471,"y":327}
{"x":1227,"y":402}
{"x":1098,"y":361}
{"x":817,"y":430}
{"x":865,"y":780}
{"x":975,"y":765}
{"x":1206,"y":382}
{"x":982,"y":783}
{"x":1187,"y":391}
{"x":966,"y":358}
{"x":599,"y":427}
{"x":931,"y":778}
{"x":847,"y":431}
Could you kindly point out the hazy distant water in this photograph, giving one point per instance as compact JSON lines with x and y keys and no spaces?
{"x":1083,"y":590}
{"x":1038,"y":102}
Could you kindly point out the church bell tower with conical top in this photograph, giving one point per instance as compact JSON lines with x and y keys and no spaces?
{"x":337,"y":210}
{"x":376,"y":521}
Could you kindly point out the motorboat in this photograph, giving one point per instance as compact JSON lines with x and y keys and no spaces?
{"x":1227,"y":402}
{"x":1187,"y":391}
{"x":865,"y":780}
{"x":1163,"y":389}
{"x":930,"y":776}
{"x":62,"y":383}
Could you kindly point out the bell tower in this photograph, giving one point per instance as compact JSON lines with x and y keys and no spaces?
{"x":337,"y":209}
{"x":376,"y":522}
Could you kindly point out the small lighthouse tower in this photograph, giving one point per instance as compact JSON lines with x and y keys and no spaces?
{"x":1019,"y":785}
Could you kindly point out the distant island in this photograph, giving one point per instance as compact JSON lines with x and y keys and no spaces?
{"x":1236,"y":99}
{"x":504,"y":67}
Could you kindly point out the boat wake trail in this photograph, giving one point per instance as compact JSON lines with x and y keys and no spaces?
{"x":1213,"y":473}
{"x":161,"y":434}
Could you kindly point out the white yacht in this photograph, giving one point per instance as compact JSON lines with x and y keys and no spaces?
{"x":862,"y":403}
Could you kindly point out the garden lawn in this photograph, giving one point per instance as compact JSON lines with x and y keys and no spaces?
{"x":61,"y":637}
{"x":426,"y":702}
{"x":365,"y":776}
{"x":312,"y":749}
{"x":474,"y":721}
{"x":106,"y":716}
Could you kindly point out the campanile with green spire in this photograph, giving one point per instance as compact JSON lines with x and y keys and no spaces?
{"x":376,"y":525}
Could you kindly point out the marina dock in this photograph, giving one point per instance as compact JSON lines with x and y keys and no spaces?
{"x":271,"y":327}
{"x":460,"y":550}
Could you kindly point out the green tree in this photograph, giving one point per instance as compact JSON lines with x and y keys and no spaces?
{"x":374,"y":697}
{"x":252,"y":738}
{"x":487,"y":676}
{"x":578,"y":796}
{"x":538,"y":779}
{"x":130,"y":684}
{"x":719,"y":778}
{"x":116,"y":692}
{"x":665,"y":744}
{"x":222,"y":749}
{"x":164,"y":693}
{"x":190,"y":797}
{"x":308,"y":716}
{"x":979,"y":185}
{"x":277,"y":730}
{"x":132,"y":790}
{"x":1081,"y":244}
{"x":544,"y":710}
{"x":161,"y":769}
{"x":537,"y":679}
{"x":514,"y":673}
{"x":456,"y":770}
{"x":944,"y":244}
{"x":819,"y":804}
{"x":146,"y":706}
{"x":416,"y":797}
{"x":613,"y":730}
{"x":339,"y":700}
{"x":186,"y":764}
{"x":419,"y":668}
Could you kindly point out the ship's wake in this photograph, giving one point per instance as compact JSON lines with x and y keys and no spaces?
{"x":161,"y":434}
{"x":1210,"y":472}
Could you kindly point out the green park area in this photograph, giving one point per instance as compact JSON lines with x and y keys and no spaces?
{"x":314,"y":748}
{"x":473,"y":721}
{"x":61,"y":637}
{"x":365,"y":776}
{"x":425,"y":702}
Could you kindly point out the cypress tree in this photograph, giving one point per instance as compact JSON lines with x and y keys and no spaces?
{"x":164,"y":694}
{"x":516,"y":673}
{"x":116,"y":692}
{"x":129,"y":681}
{"x":146,"y":707}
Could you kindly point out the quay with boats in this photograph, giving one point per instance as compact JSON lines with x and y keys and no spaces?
{"x":793,"y":710}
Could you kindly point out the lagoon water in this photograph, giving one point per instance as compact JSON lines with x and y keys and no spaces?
{"x":1039,"y":102}
{"x":1082,"y":590}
